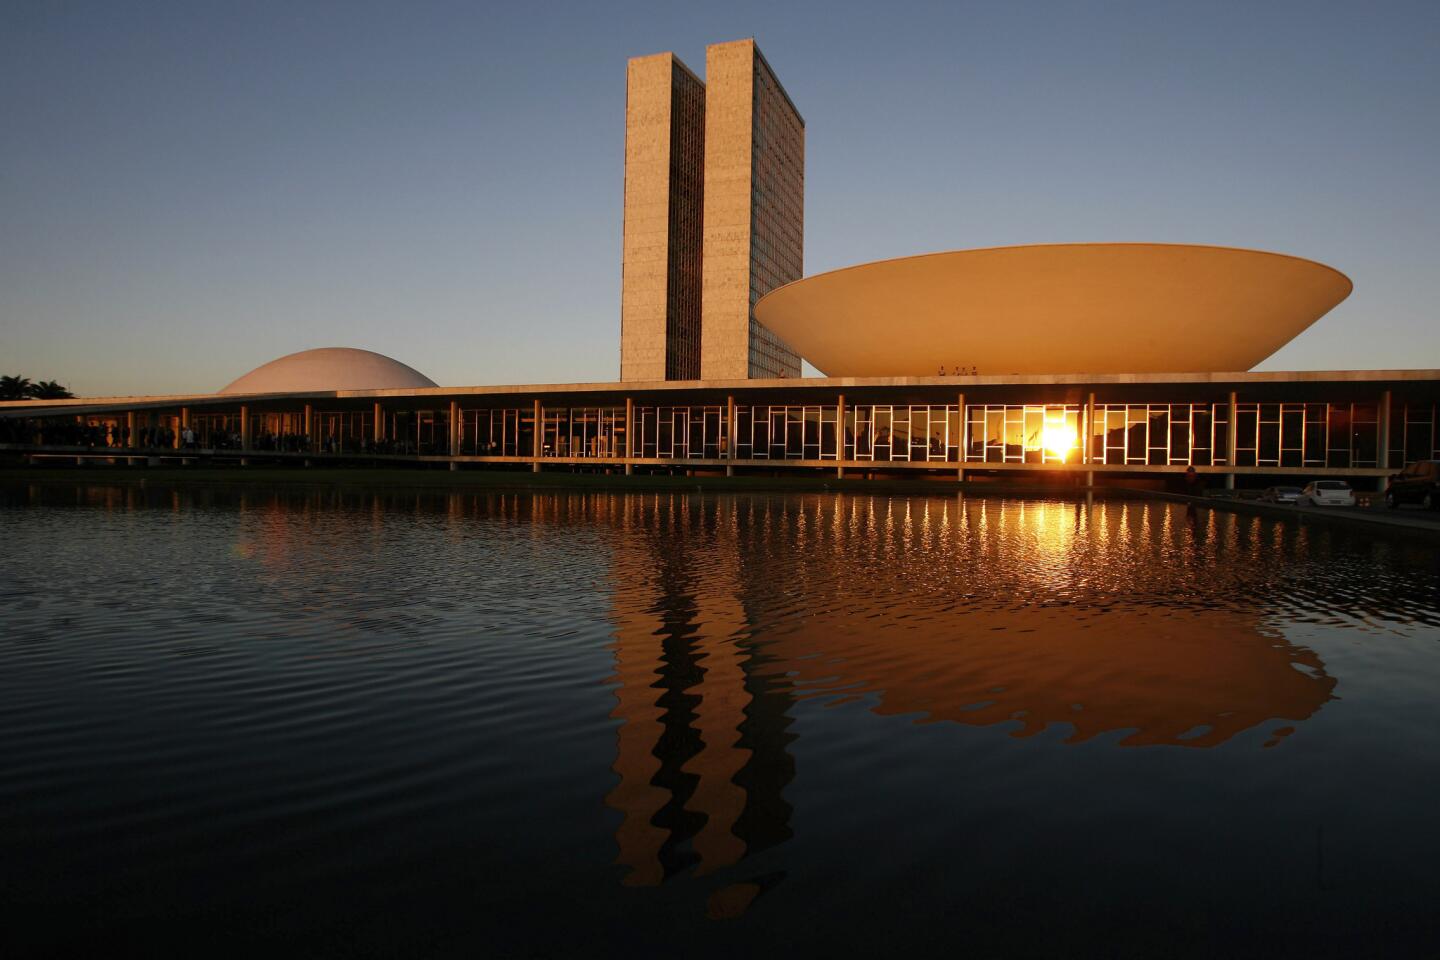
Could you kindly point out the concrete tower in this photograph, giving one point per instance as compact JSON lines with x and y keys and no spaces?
{"x":714,"y":216}
{"x":754,"y":211}
{"x":664,"y":191}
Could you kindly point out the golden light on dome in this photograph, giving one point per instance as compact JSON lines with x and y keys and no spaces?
{"x":1007,"y":311}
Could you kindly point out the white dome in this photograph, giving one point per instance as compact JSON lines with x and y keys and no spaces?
{"x":330,"y":368}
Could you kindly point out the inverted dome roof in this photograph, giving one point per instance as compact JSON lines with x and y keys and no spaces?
{"x":330,"y":368}
{"x":1054,"y":308}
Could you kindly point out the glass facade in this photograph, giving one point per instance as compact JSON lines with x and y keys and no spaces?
{"x":1297,"y":435}
{"x":680,"y":433}
{"x":1028,"y":433}
{"x":1267,"y":436}
{"x":344,"y":431}
{"x":1413,"y":434}
{"x":1160,"y":434}
{"x":785,"y":432}
{"x":216,"y":430}
{"x":584,"y":432}
{"x":498,"y":433}
{"x":887,"y":432}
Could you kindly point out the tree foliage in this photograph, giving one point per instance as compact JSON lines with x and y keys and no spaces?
{"x":20,"y":388}
{"x":49,"y":390}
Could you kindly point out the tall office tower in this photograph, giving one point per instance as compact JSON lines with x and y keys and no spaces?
{"x":664,"y":191}
{"x":754,"y":211}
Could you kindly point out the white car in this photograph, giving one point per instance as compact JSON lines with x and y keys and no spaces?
{"x":1327,"y":493}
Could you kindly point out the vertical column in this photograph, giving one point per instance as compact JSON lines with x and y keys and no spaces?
{"x":378,"y":423}
{"x":1087,"y":439}
{"x":960,"y":440}
{"x":1382,"y":439}
{"x":840,"y":437}
{"x":309,"y":430}
{"x":1232,"y":435}
{"x":454,"y":433}
{"x":629,"y":435}
{"x":132,"y":439}
{"x":730,"y":435}
{"x":178,"y":439}
{"x":244,"y":432}
{"x":539,"y":437}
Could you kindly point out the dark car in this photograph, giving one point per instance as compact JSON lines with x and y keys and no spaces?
{"x":1281,"y":494}
{"x":1417,"y":483}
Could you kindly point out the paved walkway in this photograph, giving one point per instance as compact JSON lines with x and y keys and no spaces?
{"x":1377,"y":517}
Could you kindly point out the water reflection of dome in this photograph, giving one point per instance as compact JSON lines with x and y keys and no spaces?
{"x":329,"y":368}
{"x":1194,"y":678}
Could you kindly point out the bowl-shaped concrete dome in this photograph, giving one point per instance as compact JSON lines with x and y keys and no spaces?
{"x":1054,"y":308}
{"x":330,"y":368}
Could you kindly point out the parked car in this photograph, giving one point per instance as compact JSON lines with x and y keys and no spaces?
{"x":1417,"y":483}
{"x":1281,"y":494}
{"x":1326,"y":493}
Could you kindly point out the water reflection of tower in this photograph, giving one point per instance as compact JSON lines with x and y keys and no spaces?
{"x":701,"y":747}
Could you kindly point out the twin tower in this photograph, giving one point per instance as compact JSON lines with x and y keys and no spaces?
{"x":714,"y":216}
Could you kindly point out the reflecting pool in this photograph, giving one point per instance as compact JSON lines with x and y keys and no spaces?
{"x":481,"y":724}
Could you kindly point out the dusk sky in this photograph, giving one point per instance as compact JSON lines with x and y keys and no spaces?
{"x":190,"y":189}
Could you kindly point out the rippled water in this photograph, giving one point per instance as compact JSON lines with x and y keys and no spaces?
{"x":575,"y":725}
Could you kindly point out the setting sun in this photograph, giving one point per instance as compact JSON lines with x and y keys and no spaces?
{"x":1058,"y":439}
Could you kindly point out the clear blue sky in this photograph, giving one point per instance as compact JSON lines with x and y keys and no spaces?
{"x":190,"y":189}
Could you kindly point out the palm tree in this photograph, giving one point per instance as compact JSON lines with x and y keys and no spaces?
{"x":14,"y":388}
{"x":49,"y":390}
